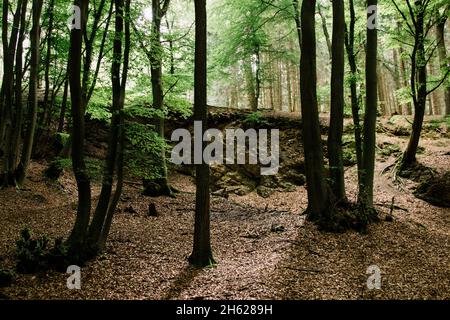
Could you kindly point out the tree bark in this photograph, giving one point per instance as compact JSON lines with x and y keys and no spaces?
{"x":202,"y":253}
{"x":355,"y":98}
{"x":318,"y":197}
{"x":32,"y":94}
{"x":443,"y":60}
{"x":370,"y":117}
{"x":325,"y":31}
{"x":78,"y":235}
{"x":62,"y":115}
{"x":337,"y":103}
{"x":418,"y":86}
{"x":99,"y":228}
{"x":48,"y":60}
{"x":14,"y":153}
{"x":160,"y":186}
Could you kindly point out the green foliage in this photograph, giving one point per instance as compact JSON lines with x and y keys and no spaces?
{"x":30,"y":252}
{"x":255,"y":118}
{"x":56,"y":168}
{"x":57,"y":256}
{"x":62,"y":138}
{"x":99,"y":105}
{"x":94,"y":168}
{"x":403,"y":96}
{"x":143,"y":151}
{"x":140,"y":107}
{"x":34,"y":254}
{"x":179,"y":106}
{"x":436,"y":123}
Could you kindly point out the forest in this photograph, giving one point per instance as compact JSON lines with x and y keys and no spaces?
{"x":225,"y":150}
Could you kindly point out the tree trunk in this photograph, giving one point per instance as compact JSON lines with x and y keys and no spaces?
{"x":7,"y":93}
{"x":370,"y":117}
{"x":397,"y":77}
{"x":318,"y":197}
{"x":32,"y":94}
{"x":251,"y":86}
{"x":325,"y":31}
{"x":160,"y":186}
{"x":14,"y":153}
{"x":62,"y":115}
{"x":46,"y":113}
{"x":78,"y":235}
{"x":337,"y":103}
{"x":419,"y":87}
{"x":202,"y":252}
{"x":351,"y":55}
{"x":289,"y":87}
{"x":106,"y":206}
{"x":403,"y":75}
{"x":442,"y":51}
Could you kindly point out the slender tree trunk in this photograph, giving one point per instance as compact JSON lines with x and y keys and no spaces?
{"x":48,"y":60}
{"x":160,"y":186}
{"x":96,"y":225}
{"x":419,"y":87}
{"x":443,"y":60}
{"x":251,"y":86}
{"x":337,"y":103}
{"x":325,"y":31}
{"x":289,"y":87}
{"x":78,"y":235}
{"x":397,"y":77}
{"x":403,"y":76}
{"x":7,"y":90}
{"x":32,"y":94}
{"x":14,"y":153}
{"x":202,"y":252}
{"x":62,"y":115}
{"x":257,"y":79}
{"x":381,"y":93}
{"x":370,"y":118}
{"x":100,"y":54}
{"x":434,"y":98}
{"x":352,"y":56}
{"x":106,"y":206}
{"x":318,"y":197}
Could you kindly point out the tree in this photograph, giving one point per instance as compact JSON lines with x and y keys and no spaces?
{"x":32,"y":95}
{"x":77,"y":238}
{"x":337,"y":102}
{"x":418,"y":19}
{"x":318,"y":196}
{"x":101,"y":222}
{"x":370,"y":116}
{"x":202,"y":253}
{"x":11,"y":109}
{"x":159,"y":186}
{"x":354,"y":96}
{"x":87,"y":240}
{"x":442,"y":51}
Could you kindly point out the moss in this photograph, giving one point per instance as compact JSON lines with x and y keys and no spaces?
{"x":57,"y":167}
{"x":387,"y":149}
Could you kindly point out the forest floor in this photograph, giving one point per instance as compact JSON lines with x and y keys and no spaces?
{"x":264,"y":247}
